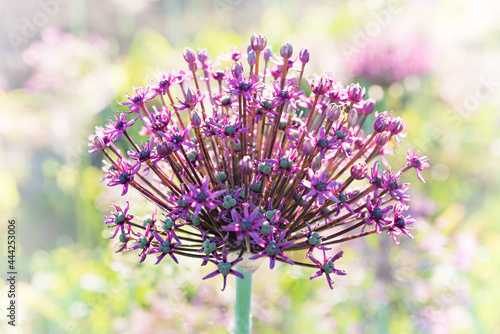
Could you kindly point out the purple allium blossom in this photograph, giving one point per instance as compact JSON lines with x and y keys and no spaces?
{"x":191,"y":100}
{"x":376,"y":178}
{"x":114,"y":130}
{"x":393,"y":187}
{"x":203,"y":196}
{"x":313,"y":240}
{"x":244,"y":86}
{"x":286,"y":94}
{"x":416,"y":161}
{"x":119,"y":219}
{"x":137,"y":99}
{"x":162,"y":84}
{"x":344,"y":200}
{"x":263,"y":171}
{"x":224,"y":267}
{"x":337,"y":94}
{"x":165,"y":246}
{"x":157,"y":121}
{"x":123,"y":175}
{"x":177,"y":137}
{"x":234,"y":54}
{"x":231,"y":127}
{"x":376,"y":214}
{"x":320,"y":187}
{"x":182,"y":207}
{"x":247,"y":224}
{"x":144,"y":153}
{"x":228,"y":101}
{"x":210,"y":246}
{"x":274,"y":249}
{"x":218,"y":74}
{"x":144,"y":242}
{"x":400,"y":223}
{"x":327,"y":267}
{"x":323,"y":143}
{"x":286,"y":162}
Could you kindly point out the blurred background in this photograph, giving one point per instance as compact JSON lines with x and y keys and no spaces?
{"x":65,"y":63}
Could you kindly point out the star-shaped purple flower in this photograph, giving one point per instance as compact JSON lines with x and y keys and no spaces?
{"x":319,"y":186}
{"x":137,"y":98}
{"x":119,"y":219}
{"x":327,"y":267}
{"x":203,"y":196}
{"x":114,"y":130}
{"x":165,"y":246}
{"x":225,"y":268}
{"x":123,"y":175}
{"x":377,"y":214}
{"x":400,"y":223}
{"x":274,"y":249}
{"x":144,"y":243}
{"x":248,"y":224}
{"x":417,"y":162}
{"x":177,"y":137}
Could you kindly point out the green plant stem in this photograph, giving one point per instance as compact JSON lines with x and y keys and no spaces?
{"x":242,"y":303}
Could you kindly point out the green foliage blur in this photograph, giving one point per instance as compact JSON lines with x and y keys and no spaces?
{"x":69,"y":78}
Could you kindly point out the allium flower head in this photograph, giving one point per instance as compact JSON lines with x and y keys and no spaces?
{"x":252,"y":175}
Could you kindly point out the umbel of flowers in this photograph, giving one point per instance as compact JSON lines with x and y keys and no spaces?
{"x":261,"y":169}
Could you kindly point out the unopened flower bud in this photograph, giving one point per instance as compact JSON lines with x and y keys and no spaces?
{"x":268,"y":53}
{"x":353,"y":117}
{"x":319,"y":85}
{"x":359,"y":170}
{"x":286,"y":51}
{"x":190,"y":96}
{"x":368,"y":106}
{"x":316,"y":165}
{"x":396,"y":126}
{"x":221,"y":177}
{"x":252,"y":58}
{"x":99,"y":143}
{"x":256,"y":187}
{"x":246,"y":166}
{"x":124,"y":237}
{"x":195,"y":220}
{"x":237,"y":69}
{"x":333,"y":111}
{"x":164,"y":149}
{"x":382,"y":138}
{"x":304,"y":56}
{"x":307,"y":148}
{"x":202,"y":55}
{"x":192,"y":155}
{"x":189,"y":55}
{"x":355,"y":92}
{"x":380,"y":123}
{"x":258,"y":42}
{"x":195,"y":118}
